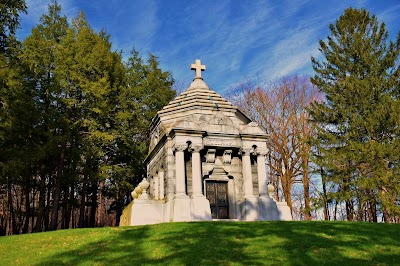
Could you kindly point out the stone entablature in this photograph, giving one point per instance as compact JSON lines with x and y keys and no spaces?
{"x":206,"y":160}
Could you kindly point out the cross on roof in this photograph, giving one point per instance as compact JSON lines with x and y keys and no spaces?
{"x":198,"y":67}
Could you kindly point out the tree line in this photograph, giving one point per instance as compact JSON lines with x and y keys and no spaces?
{"x":73,"y":123}
{"x":334,"y":138}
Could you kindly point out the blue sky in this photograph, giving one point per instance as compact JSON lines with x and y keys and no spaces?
{"x":235,"y":39}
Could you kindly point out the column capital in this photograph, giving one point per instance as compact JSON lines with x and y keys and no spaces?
{"x":179,"y":147}
{"x":195,"y":148}
{"x":245,"y":151}
{"x":261,"y":152}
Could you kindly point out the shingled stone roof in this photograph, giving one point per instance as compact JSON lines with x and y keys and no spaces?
{"x":198,"y":95}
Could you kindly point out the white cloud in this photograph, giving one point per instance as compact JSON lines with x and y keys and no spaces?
{"x":235,"y":39}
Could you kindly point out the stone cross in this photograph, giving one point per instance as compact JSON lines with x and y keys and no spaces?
{"x":198,"y":67}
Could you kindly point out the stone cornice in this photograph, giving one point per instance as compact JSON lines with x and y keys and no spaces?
{"x":156,"y":148}
{"x":184,"y":131}
{"x":255,"y":136}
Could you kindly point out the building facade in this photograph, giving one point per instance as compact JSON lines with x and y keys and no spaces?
{"x":206,"y":162}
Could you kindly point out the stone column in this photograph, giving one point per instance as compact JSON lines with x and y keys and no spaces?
{"x":249,"y":207}
{"x":180,"y":191}
{"x":200,"y":206}
{"x":161,"y":181}
{"x":262,"y":174}
{"x":246,"y":170}
{"x":181,"y":203}
{"x":196,"y":171}
{"x":156,"y":187}
{"x":170,"y":171}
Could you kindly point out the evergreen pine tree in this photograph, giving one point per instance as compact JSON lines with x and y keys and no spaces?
{"x":148,"y":88}
{"x":9,"y":22}
{"x":359,"y":122}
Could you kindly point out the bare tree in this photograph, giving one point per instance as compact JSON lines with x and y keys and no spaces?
{"x":280,"y":108}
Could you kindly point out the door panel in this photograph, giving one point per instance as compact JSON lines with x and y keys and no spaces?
{"x":217,"y":194}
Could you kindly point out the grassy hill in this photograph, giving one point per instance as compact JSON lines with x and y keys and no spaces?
{"x":210,"y":243}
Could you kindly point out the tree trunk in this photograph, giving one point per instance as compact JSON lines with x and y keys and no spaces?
{"x":349,"y":210}
{"x":57,"y":191}
{"x":81,"y":222}
{"x":12,"y":225}
{"x":64,"y":222}
{"x":93,"y":205}
{"x":47,"y":213}
{"x":335,"y":212}
{"x":286,"y":185}
{"x":101,"y":207}
{"x":34,"y":193}
{"x":386,"y":216}
{"x":68,"y":207}
{"x":3,"y":218}
{"x":27,"y":211}
{"x":41,"y":208}
{"x":118,"y":208}
{"x":374,"y":216}
{"x":307,"y":207}
{"x":324,"y":195}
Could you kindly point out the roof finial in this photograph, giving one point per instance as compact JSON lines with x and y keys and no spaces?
{"x":198,"y":67}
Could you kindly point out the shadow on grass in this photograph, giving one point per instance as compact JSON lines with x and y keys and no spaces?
{"x":238,"y":243}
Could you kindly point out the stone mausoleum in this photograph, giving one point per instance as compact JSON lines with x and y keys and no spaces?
{"x":206,"y":162}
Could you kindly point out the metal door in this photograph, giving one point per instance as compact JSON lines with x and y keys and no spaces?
{"x":217,"y":194}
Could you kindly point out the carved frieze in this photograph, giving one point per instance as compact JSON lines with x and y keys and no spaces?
{"x":221,"y":142}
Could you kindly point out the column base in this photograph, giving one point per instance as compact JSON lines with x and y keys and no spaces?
{"x":200,"y":209}
{"x":181,"y":196}
{"x":268,"y":210}
{"x":168,"y":211}
{"x":284,"y":211}
{"x":181,"y":209}
{"x":249,"y":209}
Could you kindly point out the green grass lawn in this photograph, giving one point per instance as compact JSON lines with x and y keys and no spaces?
{"x":210,"y":243}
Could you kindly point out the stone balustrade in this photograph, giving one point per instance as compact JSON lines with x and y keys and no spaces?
{"x":140,"y":190}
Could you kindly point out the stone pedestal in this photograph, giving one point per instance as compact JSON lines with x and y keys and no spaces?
{"x":249,"y":209}
{"x":146,"y":213}
{"x":268,"y":210}
{"x":200,"y":209}
{"x":181,"y":210}
{"x":168,"y":209}
{"x":284,"y":211}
